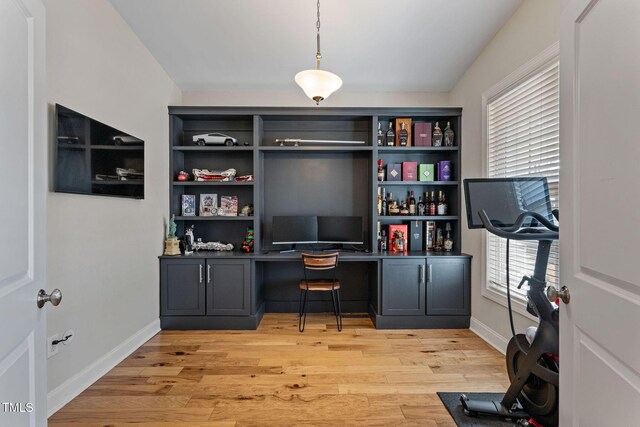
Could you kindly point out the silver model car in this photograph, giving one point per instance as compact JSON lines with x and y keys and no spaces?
{"x":215,"y":139}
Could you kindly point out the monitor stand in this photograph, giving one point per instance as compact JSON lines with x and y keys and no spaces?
{"x":288,"y":251}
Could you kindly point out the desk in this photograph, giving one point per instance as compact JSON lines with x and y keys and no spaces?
{"x":232,"y":290}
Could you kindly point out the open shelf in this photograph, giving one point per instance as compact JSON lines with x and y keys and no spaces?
{"x":118,"y":147}
{"x":418,"y":218}
{"x":215,"y":183}
{"x":383,"y":149}
{"x":114,"y":182}
{"x":319,"y":148}
{"x":214,"y":218}
{"x":212,"y":148}
{"x":387,"y":183}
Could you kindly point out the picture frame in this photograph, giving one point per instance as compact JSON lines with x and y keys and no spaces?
{"x":208,"y":204}
{"x":188,"y":205}
{"x":228,"y":206}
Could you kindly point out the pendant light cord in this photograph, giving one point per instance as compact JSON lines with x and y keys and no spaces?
{"x":318,"y":55}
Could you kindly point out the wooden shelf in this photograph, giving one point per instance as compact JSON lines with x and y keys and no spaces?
{"x":214,"y":218}
{"x":418,"y":218}
{"x":384,"y":149}
{"x":387,"y":183}
{"x":214,"y":183}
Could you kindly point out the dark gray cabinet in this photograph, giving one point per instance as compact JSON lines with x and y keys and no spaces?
{"x":448,"y":287}
{"x":182,"y":287}
{"x":199,"y":287}
{"x":228,"y":287}
{"x":403,"y":287}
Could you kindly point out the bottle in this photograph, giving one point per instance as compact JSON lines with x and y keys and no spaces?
{"x":448,"y":241}
{"x":404,"y":208}
{"x":380,"y":135}
{"x":391,"y":135}
{"x":383,"y":240}
{"x":442,"y":205}
{"x":379,"y":204}
{"x":412,"y":204}
{"x":393,"y":207}
{"x":420,"y":207}
{"x":389,"y":201}
{"x":436,"y":139}
{"x":433,"y":208}
{"x":380,"y":171}
{"x":448,"y":135}
{"x":383,"y":204}
{"x":403,"y":135}
{"x":439,"y":240}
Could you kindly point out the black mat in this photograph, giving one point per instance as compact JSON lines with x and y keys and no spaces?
{"x":453,"y":405}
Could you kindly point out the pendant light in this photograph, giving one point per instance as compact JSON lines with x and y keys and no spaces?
{"x":318,"y":84}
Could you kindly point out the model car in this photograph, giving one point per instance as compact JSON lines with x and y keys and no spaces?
{"x":127,"y":140}
{"x":214,"y":139}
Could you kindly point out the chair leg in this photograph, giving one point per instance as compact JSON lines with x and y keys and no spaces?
{"x":339,"y":315}
{"x":302,"y":320}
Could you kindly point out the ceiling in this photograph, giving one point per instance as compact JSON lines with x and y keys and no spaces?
{"x":373,"y":45}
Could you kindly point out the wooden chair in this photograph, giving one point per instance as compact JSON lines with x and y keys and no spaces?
{"x":324,"y":262}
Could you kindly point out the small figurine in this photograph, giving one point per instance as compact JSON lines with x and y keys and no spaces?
{"x":188,"y":241}
{"x":171,"y":243}
{"x":247,"y":245}
{"x":247,"y":210}
{"x":182,"y":176}
{"x":172,"y":227}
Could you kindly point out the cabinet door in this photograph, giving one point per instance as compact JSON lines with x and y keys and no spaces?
{"x":228,"y":287}
{"x":182,"y":287}
{"x":448,"y":290}
{"x":403,"y":287}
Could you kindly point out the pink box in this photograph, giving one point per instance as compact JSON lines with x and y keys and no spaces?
{"x":409,"y":171}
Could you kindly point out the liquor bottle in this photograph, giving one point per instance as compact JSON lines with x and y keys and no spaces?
{"x":436,"y":139}
{"x":380,"y":135}
{"x":442,"y":204}
{"x":448,"y":135}
{"x":403,"y":135}
{"x":448,"y":241}
{"x":380,"y":171}
{"x":383,"y":204}
{"x":389,"y":202}
{"x":393,"y":207}
{"x":412,"y":204}
{"x":379,"y":204}
{"x":391,"y":135}
{"x":383,"y":240}
{"x":439,"y":240}
{"x":420,"y":207}
{"x":430,"y":235}
{"x":404,"y":208}
{"x":433,"y":208}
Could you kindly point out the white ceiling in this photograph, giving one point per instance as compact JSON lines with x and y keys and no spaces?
{"x":373,"y":45}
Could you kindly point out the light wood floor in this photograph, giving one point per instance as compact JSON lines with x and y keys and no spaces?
{"x":279,"y":376}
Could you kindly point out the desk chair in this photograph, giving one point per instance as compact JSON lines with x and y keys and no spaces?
{"x":324,"y":262}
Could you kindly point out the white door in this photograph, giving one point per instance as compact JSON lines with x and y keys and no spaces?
{"x":600,"y":213}
{"x":22,"y":217}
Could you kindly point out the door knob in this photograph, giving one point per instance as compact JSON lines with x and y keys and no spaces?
{"x":553,"y":294}
{"x":54,"y":297}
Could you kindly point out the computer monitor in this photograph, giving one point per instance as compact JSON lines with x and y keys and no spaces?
{"x":504,"y":199}
{"x":340,"y":229}
{"x":292,"y":230}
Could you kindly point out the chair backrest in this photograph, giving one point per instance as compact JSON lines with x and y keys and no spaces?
{"x":320,"y":262}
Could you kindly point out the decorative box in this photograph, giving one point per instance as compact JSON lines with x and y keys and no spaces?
{"x":395,"y":246}
{"x":228,"y":206}
{"x":415,"y":236}
{"x":409,"y":171}
{"x":425,"y":172}
{"x":422,"y":134}
{"x":429,"y":234}
{"x":407,"y":126}
{"x":444,"y":171}
{"x":394,"y":172}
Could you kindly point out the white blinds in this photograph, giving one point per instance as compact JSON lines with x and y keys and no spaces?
{"x":523,"y":140}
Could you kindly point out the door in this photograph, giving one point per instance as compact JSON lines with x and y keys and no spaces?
{"x":182,"y":287}
{"x":228,"y":287}
{"x":448,"y":288}
{"x":403,"y":284}
{"x":600,"y":212}
{"x":23,"y":372}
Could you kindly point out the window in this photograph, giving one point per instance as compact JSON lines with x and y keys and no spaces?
{"x":522,"y":136}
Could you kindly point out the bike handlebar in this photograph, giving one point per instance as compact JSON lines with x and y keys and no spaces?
{"x":517,"y":232}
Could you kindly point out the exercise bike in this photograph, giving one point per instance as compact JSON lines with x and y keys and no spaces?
{"x":520,"y":209}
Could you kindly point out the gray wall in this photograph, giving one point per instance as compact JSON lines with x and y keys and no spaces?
{"x":101,"y":251}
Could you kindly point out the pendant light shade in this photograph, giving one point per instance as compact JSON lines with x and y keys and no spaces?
{"x":318,"y":84}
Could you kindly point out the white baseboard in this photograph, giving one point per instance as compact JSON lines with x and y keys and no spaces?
{"x":75,"y":385}
{"x":489,"y":335}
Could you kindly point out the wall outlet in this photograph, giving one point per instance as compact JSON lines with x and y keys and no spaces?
{"x":52,"y":349}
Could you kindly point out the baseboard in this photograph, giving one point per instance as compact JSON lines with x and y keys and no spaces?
{"x":489,"y":335}
{"x":75,"y":385}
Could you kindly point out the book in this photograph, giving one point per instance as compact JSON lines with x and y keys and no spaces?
{"x":425,"y":172}
{"x":208,"y":204}
{"x":409,"y":171}
{"x":422,"y":134}
{"x":188,"y":205}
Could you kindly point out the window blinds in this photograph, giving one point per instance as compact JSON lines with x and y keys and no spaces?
{"x":523,"y":140}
